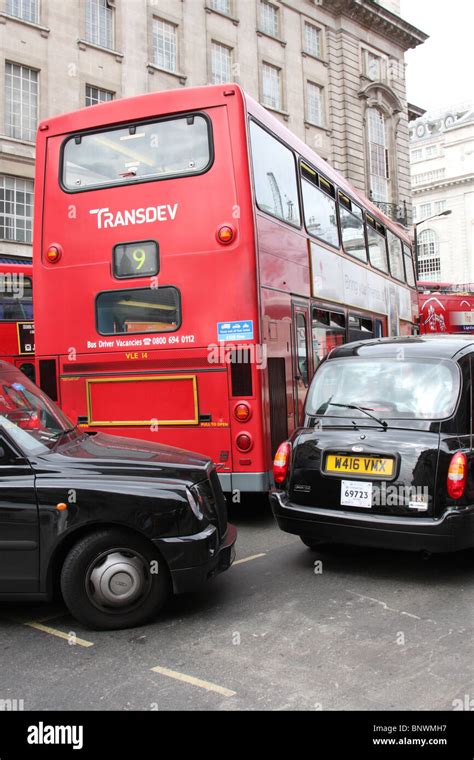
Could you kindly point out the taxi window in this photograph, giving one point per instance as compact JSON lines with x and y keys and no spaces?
{"x":388,"y":387}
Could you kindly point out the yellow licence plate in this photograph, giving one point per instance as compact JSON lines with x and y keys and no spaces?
{"x":380,"y":467}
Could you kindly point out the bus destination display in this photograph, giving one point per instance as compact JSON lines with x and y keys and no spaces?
{"x":139,"y":259}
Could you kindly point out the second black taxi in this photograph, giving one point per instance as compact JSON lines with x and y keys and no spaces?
{"x":115,"y":523}
{"x":385,"y":457}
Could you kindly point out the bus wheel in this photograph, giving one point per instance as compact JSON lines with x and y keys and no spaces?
{"x":112,"y":579}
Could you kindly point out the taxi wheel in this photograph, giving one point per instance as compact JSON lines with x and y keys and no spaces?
{"x":113,"y":579}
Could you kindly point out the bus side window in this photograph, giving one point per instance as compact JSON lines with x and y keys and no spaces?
{"x":329,"y":331}
{"x":301,"y":348}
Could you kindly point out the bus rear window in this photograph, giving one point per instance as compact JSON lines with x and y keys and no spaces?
{"x":140,"y":310}
{"x":166,"y":148}
{"x":16,"y":298}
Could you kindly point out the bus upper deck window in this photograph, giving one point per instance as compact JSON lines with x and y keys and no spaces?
{"x":171,"y":147}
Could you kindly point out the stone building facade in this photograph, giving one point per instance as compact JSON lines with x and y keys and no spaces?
{"x":332,"y":70}
{"x":442,"y":168}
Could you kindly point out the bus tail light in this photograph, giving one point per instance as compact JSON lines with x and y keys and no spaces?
{"x":281,"y":462}
{"x":242,"y":411}
{"x":457,"y":472}
{"x":225,"y":234}
{"x":54,"y":253}
{"x":244,"y":441}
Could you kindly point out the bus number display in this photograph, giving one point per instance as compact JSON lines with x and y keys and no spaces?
{"x":139,"y":259}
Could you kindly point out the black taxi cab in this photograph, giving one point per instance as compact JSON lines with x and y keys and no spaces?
{"x":114,"y":523}
{"x":385,"y":457}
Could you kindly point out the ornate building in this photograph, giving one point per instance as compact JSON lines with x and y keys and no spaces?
{"x":332,"y":70}
{"x":442,"y":170}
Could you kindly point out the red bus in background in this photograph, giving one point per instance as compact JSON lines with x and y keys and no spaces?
{"x":201,"y":261}
{"x":446,"y":307}
{"x":17,"y":334}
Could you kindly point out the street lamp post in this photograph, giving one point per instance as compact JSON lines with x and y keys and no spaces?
{"x":415,"y":236}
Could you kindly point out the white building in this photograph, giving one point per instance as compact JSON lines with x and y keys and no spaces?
{"x":442,"y":172}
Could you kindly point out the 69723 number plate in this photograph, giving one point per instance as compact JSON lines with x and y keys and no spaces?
{"x":356,"y":493}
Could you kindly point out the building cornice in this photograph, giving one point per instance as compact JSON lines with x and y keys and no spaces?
{"x":442,"y":184}
{"x":377,"y":18}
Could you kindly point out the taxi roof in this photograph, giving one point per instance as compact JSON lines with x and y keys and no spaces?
{"x":441,"y":345}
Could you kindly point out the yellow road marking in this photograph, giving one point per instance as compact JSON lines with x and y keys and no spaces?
{"x":59,"y":634}
{"x":194,"y":681}
{"x":248,"y":559}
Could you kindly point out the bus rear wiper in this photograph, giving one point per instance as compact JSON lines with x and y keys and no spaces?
{"x":366,"y":410}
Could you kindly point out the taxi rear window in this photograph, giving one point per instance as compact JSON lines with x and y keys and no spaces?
{"x":389,"y":388}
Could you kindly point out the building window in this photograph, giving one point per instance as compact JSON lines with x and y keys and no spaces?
{"x":315,"y":107}
{"x":16,"y":209}
{"x":165,"y":45}
{"x":425,"y":210}
{"x":100,"y":23}
{"x":378,"y":155}
{"x":221,"y":63}
{"x":269,"y":20}
{"x":96,"y":95}
{"x":221,"y":6}
{"x":27,"y":10}
{"x":373,"y":68}
{"x":271,"y":86}
{"x":312,"y":40}
{"x":417,"y":154}
{"x":429,"y":262}
{"x":439,"y":207}
{"x":21,"y":106}
{"x":431,"y":151}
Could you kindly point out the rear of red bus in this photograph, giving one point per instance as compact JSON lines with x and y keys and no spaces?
{"x":17,"y":334}
{"x":147,"y":311}
{"x":446,"y":307}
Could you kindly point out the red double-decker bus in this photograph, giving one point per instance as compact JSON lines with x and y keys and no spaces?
{"x":194,"y":261}
{"x":446,"y":307}
{"x":17,"y":334}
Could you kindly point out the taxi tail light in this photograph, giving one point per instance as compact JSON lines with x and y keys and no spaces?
{"x":457,"y":473}
{"x":281,"y":463}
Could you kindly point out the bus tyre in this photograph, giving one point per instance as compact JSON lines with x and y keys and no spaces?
{"x":113,"y":579}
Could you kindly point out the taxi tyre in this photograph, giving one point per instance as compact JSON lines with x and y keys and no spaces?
{"x":107,"y":557}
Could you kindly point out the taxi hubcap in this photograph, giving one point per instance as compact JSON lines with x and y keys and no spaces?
{"x":117,"y":579}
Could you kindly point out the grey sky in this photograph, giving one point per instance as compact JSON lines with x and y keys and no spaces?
{"x":439,"y":72}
